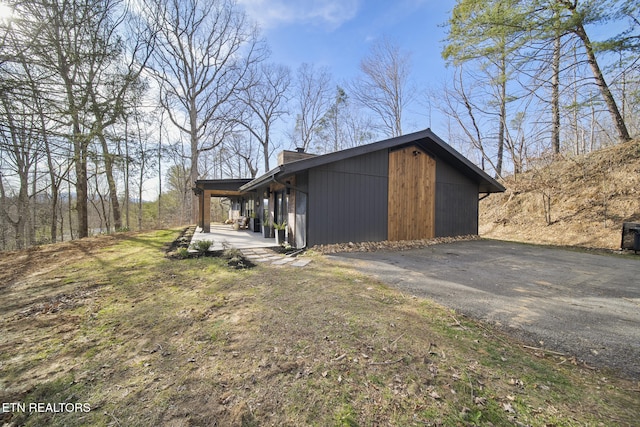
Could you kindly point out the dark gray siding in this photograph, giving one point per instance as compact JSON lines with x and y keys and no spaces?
{"x":456,"y":202}
{"x":302,"y":181}
{"x":348,"y":200}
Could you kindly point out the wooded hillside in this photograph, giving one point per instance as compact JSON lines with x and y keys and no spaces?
{"x":569,"y":200}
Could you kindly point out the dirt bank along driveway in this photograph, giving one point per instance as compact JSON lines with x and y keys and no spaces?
{"x":581,"y":304}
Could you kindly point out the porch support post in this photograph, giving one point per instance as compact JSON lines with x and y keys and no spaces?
{"x":198,"y":193}
{"x":206,"y":211}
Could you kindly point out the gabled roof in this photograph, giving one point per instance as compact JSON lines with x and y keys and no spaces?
{"x":425,"y":139}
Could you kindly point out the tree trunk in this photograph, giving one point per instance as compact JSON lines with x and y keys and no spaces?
{"x":99,"y":130}
{"x":111,"y":182}
{"x":70,"y":209}
{"x":82,"y":187}
{"x":126,"y":172}
{"x":23,"y":213}
{"x":618,"y":121}
{"x":55,"y":183}
{"x":503,"y":115}
{"x":265,"y":153}
{"x":140,"y":188}
{"x":17,"y":145}
{"x":80,"y":144}
{"x":195,"y":154}
{"x":160,"y":172}
{"x":54,"y":212}
{"x":555,"y":96}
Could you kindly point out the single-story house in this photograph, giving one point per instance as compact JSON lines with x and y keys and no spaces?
{"x":410,"y":187}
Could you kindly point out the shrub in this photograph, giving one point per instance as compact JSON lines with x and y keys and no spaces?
{"x":182,"y":253}
{"x":235,"y":258}
{"x":202,"y":245}
{"x":232,"y":253}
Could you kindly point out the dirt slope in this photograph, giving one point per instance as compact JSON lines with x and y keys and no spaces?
{"x":570,"y":200}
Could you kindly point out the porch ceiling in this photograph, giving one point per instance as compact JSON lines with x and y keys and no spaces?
{"x":221,"y":187}
{"x":225,"y":193}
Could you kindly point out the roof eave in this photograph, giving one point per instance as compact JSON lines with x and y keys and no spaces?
{"x":486,"y":183}
{"x":262,"y":179}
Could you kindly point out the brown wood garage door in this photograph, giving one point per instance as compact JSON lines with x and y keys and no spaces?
{"x":412,"y":189}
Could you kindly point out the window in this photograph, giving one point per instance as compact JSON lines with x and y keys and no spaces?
{"x":281,"y":209}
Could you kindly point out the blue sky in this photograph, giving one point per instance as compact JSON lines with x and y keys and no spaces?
{"x":337,"y":34}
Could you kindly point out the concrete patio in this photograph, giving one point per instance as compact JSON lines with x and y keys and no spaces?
{"x":252,"y":245}
{"x":224,"y":236}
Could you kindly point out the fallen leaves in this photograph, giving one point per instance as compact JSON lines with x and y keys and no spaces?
{"x":387,"y":362}
{"x":516,"y":382}
{"x":480,"y":401}
{"x":434,"y":395}
{"x":339,"y":358}
{"x":507,"y":407}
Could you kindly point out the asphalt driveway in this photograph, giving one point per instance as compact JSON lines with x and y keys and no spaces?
{"x":581,"y":304}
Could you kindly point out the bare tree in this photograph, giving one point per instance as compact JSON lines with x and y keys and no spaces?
{"x":330,"y":128}
{"x":241,"y":148}
{"x":178,"y":184}
{"x":457,"y":103}
{"x":264,"y":102}
{"x":125,"y":87}
{"x":357,"y":128}
{"x":342,"y":126}
{"x":20,"y":139}
{"x":204,"y":53}
{"x":383,"y":86}
{"x":56,"y":150}
{"x":314,"y":96}
{"x":78,"y":46}
{"x":67,"y":31}
{"x":19,"y":145}
{"x":141,"y":155}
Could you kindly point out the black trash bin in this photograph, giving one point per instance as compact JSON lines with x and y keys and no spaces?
{"x":630,"y":236}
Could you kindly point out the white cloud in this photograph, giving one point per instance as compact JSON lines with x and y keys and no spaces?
{"x":326,"y":13}
{"x":6,"y":12}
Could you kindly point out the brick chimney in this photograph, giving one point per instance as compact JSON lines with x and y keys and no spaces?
{"x":287,"y":156}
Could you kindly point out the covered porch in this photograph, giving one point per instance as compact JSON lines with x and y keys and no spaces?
{"x":224,"y":236}
{"x":242,"y":201}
